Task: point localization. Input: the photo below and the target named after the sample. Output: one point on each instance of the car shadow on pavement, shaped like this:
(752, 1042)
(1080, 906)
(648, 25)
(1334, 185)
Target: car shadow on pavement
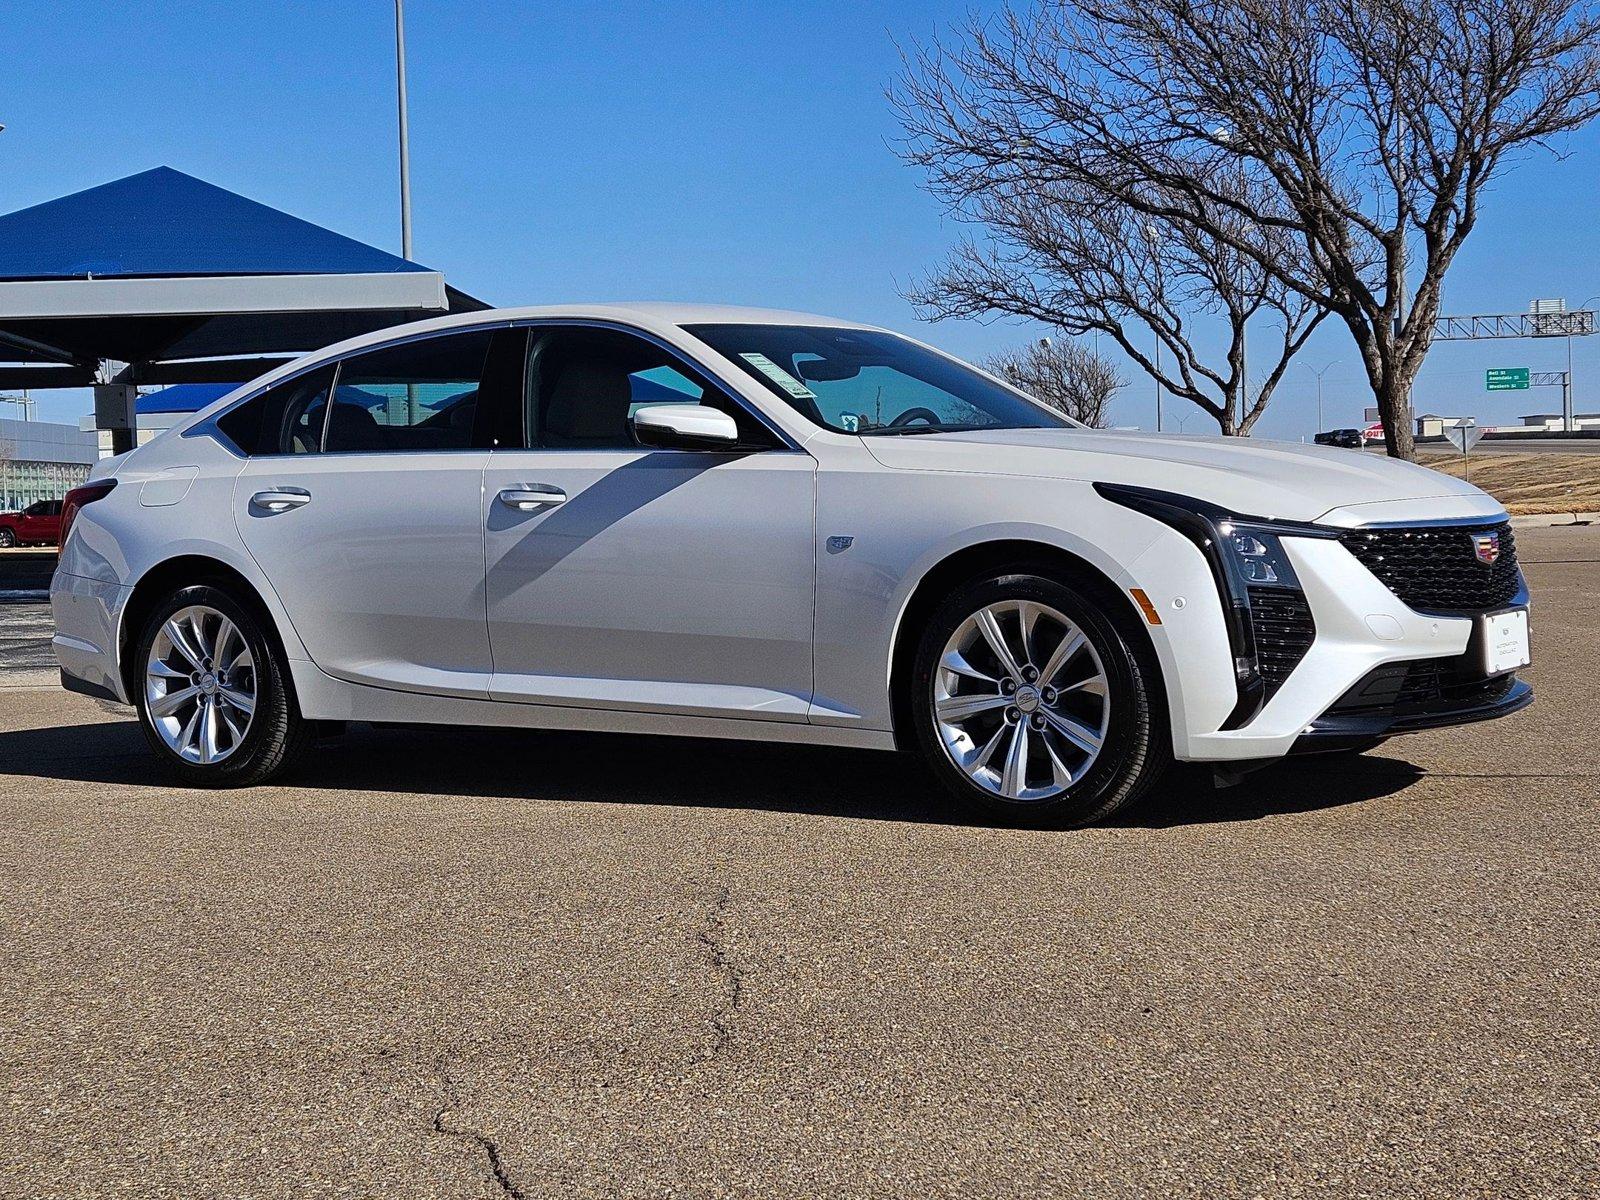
(626, 769)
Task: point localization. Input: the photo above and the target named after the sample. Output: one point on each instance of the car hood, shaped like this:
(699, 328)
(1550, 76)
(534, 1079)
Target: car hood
(1284, 480)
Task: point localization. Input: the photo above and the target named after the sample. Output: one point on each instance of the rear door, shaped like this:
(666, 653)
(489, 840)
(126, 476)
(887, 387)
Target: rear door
(367, 516)
(675, 581)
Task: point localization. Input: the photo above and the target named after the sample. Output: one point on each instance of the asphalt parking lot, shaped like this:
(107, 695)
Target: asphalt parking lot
(484, 964)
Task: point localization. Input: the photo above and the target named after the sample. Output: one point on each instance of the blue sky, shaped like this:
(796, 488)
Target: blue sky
(715, 151)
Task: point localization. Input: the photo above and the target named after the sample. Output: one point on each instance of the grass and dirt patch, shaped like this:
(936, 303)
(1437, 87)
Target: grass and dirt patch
(1529, 484)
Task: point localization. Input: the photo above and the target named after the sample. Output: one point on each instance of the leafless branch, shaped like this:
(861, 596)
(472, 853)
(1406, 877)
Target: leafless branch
(1065, 374)
(1337, 147)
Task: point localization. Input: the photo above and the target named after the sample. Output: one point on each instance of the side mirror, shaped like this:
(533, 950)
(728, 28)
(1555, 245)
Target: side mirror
(684, 427)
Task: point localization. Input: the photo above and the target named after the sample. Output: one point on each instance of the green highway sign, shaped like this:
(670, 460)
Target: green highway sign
(1507, 379)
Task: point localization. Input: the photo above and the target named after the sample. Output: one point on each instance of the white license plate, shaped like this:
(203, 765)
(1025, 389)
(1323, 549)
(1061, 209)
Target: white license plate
(1505, 641)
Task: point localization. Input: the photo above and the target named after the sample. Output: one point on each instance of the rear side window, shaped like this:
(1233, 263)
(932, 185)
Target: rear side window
(420, 395)
(286, 419)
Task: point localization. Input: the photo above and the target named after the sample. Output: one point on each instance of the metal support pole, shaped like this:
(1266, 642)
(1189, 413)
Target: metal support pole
(1567, 422)
(1158, 383)
(405, 127)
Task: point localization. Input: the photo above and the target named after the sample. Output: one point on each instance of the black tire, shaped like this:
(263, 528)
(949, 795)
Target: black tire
(7, 539)
(276, 734)
(1136, 750)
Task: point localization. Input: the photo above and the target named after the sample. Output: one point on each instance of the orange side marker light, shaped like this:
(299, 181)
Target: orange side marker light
(1145, 606)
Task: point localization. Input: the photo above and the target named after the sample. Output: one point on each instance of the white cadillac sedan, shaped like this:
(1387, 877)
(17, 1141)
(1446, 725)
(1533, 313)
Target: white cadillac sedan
(747, 524)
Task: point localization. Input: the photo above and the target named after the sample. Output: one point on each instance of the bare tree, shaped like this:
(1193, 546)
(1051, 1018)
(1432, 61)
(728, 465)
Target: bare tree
(1067, 375)
(1071, 257)
(1368, 129)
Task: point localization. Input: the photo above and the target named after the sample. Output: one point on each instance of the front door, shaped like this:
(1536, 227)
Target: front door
(666, 580)
(367, 516)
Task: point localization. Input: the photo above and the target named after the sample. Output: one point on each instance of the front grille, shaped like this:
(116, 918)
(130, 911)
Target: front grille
(1436, 569)
(1284, 632)
(1429, 686)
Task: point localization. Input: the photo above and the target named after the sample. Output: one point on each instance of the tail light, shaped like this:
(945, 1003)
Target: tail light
(78, 497)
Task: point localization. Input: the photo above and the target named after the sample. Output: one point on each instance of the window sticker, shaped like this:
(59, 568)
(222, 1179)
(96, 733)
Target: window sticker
(850, 421)
(779, 376)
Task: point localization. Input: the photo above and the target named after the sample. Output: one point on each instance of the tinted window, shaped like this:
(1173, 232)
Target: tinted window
(584, 384)
(420, 395)
(286, 419)
(867, 382)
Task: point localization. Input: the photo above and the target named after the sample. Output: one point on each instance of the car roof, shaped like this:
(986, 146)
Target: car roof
(649, 315)
(664, 312)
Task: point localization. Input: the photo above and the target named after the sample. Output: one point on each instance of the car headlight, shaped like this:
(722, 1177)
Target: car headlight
(1258, 556)
(1243, 552)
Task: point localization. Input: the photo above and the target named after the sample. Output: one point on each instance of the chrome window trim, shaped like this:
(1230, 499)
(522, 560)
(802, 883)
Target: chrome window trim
(209, 427)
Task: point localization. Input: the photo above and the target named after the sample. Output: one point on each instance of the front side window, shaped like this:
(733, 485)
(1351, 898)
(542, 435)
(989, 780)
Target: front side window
(284, 419)
(420, 395)
(871, 383)
(584, 383)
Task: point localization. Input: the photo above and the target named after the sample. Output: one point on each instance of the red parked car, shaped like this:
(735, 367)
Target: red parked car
(38, 524)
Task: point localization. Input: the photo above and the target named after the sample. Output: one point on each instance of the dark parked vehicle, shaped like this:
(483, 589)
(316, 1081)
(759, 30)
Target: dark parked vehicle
(38, 524)
(1350, 439)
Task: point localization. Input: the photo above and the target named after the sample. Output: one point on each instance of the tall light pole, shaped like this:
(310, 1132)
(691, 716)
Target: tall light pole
(405, 127)
(1319, 374)
(1154, 235)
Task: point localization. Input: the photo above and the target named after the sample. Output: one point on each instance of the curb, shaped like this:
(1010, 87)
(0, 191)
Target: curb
(1546, 519)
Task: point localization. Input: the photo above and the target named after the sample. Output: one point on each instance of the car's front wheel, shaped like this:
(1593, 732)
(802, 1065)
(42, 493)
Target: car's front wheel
(7, 539)
(213, 693)
(1031, 702)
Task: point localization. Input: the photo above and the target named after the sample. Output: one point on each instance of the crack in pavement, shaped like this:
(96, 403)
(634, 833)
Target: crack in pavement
(712, 938)
(490, 1148)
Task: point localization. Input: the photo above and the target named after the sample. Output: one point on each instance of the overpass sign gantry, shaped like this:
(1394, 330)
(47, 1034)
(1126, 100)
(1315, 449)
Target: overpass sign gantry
(1544, 319)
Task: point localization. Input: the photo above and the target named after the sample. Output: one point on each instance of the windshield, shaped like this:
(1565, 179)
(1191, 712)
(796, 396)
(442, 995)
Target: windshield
(871, 383)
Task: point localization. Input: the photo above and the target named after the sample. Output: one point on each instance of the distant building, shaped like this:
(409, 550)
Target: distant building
(40, 460)
(1431, 425)
(1551, 422)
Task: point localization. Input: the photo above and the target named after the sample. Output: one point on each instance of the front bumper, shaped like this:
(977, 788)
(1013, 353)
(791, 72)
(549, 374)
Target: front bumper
(1411, 697)
(1363, 631)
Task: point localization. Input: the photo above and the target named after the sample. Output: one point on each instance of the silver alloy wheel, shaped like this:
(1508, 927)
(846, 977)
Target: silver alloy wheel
(200, 685)
(1021, 700)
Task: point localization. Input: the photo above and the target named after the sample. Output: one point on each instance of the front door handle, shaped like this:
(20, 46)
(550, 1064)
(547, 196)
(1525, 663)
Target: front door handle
(277, 500)
(532, 496)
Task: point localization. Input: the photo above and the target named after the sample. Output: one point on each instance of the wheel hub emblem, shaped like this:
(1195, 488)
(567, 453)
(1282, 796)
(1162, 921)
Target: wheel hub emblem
(208, 683)
(1027, 698)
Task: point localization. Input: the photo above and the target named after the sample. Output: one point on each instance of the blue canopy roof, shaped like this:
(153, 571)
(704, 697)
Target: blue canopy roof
(162, 222)
(190, 282)
(184, 397)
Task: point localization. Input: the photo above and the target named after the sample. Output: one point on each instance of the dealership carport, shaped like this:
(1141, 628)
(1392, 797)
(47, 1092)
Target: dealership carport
(162, 278)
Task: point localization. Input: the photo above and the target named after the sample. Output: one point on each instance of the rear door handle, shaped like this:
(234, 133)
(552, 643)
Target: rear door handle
(277, 500)
(532, 496)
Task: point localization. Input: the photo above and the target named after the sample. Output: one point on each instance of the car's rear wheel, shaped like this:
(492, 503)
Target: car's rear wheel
(213, 694)
(1031, 702)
